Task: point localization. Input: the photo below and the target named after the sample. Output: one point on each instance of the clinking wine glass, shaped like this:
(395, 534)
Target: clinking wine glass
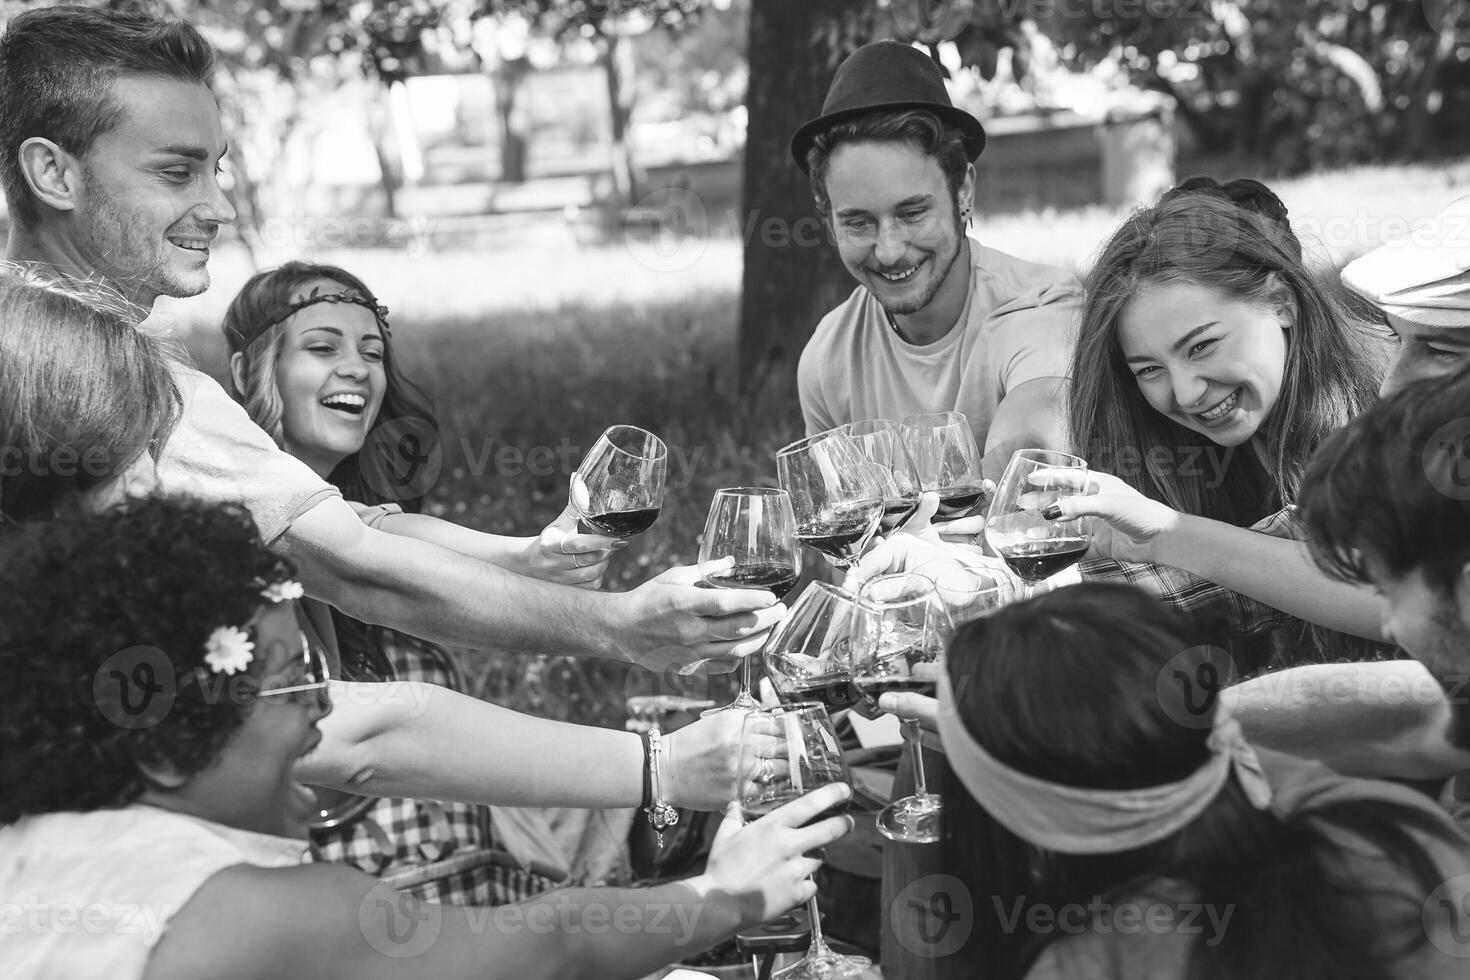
(785, 753)
(967, 591)
(881, 441)
(835, 494)
(619, 488)
(900, 631)
(1034, 547)
(947, 459)
(749, 543)
(808, 657)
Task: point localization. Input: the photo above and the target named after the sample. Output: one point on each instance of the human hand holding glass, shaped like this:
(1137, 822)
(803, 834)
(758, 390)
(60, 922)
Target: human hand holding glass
(749, 543)
(1036, 548)
(619, 488)
(787, 752)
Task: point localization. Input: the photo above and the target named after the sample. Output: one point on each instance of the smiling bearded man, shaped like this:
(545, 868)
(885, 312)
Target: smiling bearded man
(939, 322)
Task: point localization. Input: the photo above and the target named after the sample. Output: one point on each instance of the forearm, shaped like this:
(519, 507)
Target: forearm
(409, 739)
(497, 549)
(425, 590)
(1276, 571)
(1380, 719)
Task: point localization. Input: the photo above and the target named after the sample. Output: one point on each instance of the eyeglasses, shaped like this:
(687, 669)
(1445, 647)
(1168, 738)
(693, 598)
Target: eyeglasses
(314, 674)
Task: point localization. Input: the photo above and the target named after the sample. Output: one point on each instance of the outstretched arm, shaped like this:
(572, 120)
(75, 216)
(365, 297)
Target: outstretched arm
(440, 595)
(1380, 719)
(410, 739)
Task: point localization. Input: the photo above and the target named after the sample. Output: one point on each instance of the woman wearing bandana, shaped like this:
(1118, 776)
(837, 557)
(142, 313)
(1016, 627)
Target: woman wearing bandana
(1110, 820)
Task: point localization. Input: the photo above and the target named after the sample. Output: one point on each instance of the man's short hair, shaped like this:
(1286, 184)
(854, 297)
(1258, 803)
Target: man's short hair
(918, 128)
(1393, 486)
(57, 66)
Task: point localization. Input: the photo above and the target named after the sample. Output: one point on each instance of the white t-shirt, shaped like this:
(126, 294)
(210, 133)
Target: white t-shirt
(1019, 324)
(86, 895)
(217, 453)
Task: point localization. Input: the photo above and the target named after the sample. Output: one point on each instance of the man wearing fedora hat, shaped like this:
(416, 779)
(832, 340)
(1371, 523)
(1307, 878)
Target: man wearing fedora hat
(1421, 282)
(938, 322)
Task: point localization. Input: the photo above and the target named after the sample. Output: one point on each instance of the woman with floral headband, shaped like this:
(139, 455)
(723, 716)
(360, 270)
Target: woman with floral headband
(315, 364)
(152, 826)
(1111, 821)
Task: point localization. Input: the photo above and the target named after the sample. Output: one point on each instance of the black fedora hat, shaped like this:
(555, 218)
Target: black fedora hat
(887, 75)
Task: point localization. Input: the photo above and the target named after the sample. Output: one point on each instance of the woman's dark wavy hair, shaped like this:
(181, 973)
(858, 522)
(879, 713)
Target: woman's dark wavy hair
(77, 590)
(1233, 238)
(265, 298)
(1067, 688)
(83, 391)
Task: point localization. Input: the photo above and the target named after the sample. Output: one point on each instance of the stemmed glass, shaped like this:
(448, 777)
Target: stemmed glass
(835, 494)
(785, 753)
(967, 591)
(619, 488)
(881, 441)
(1034, 547)
(947, 460)
(749, 543)
(899, 635)
(808, 657)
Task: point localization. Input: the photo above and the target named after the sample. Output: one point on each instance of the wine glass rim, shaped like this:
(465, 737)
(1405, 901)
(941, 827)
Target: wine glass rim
(817, 585)
(660, 450)
(811, 440)
(1051, 457)
(933, 420)
(751, 492)
(874, 426)
(924, 584)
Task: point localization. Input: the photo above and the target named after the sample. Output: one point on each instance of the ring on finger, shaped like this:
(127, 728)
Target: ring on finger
(577, 559)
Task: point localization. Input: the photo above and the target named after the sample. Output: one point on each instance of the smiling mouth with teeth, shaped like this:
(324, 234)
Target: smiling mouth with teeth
(1224, 408)
(899, 276)
(351, 404)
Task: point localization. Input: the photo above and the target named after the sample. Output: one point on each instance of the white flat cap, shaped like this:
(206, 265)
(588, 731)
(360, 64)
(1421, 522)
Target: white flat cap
(1424, 276)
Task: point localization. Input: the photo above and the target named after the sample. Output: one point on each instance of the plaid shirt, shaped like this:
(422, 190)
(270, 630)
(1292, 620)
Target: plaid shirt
(1216, 612)
(441, 852)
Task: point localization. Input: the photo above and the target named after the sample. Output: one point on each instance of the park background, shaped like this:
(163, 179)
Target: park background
(583, 212)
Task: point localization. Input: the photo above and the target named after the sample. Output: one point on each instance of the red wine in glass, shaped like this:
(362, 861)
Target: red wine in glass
(792, 683)
(771, 576)
(841, 532)
(957, 501)
(1035, 561)
(623, 523)
(895, 512)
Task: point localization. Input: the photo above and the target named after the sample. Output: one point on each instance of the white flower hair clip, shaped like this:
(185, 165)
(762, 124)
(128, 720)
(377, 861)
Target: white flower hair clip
(228, 650)
(282, 592)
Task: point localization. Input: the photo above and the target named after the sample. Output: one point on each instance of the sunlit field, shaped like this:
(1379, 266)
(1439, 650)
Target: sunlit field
(549, 335)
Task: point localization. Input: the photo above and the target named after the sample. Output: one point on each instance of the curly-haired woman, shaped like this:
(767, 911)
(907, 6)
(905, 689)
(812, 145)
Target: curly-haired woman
(151, 824)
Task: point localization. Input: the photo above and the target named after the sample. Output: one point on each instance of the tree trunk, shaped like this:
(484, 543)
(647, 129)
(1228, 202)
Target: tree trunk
(619, 67)
(792, 273)
(507, 76)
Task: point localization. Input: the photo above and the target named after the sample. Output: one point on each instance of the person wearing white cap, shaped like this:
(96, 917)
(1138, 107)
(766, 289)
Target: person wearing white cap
(1421, 282)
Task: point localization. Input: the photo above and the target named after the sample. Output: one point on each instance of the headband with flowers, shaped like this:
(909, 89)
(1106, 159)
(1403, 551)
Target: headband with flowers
(229, 649)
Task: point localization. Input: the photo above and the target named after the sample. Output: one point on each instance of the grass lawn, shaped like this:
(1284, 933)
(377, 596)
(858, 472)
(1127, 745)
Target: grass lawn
(544, 346)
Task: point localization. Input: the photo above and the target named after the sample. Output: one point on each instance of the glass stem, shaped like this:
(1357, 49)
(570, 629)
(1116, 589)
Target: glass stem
(911, 729)
(819, 945)
(745, 679)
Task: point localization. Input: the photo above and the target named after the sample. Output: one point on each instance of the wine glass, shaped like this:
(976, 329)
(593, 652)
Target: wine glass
(900, 631)
(836, 497)
(967, 591)
(785, 753)
(619, 488)
(947, 459)
(1034, 547)
(749, 543)
(808, 656)
(881, 441)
